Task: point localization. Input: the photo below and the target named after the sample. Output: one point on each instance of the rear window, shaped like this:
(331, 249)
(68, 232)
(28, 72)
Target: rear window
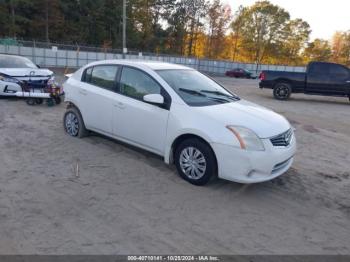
(103, 76)
(87, 75)
(319, 69)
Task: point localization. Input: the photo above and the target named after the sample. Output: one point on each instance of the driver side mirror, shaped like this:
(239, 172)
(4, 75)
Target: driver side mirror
(154, 99)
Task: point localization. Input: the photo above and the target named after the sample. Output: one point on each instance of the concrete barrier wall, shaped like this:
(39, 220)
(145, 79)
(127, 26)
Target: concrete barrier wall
(47, 57)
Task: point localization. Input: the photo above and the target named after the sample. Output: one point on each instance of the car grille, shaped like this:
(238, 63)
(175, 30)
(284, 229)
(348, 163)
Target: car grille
(283, 139)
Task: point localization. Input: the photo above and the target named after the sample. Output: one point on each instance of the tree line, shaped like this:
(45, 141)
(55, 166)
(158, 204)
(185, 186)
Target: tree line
(260, 33)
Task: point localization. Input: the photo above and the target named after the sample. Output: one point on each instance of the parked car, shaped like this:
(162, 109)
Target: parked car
(240, 73)
(16, 68)
(22, 78)
(181, 115)
(321, 78)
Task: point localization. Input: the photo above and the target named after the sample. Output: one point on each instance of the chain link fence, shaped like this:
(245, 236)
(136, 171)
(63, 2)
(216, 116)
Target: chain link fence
(74, 56)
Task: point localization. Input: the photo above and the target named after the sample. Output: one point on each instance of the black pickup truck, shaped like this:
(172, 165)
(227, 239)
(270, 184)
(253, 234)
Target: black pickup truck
(321, 78)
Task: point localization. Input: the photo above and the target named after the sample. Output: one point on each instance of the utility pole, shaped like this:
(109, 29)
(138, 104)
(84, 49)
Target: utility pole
(124, 29)
(13, 19)
(47, 21)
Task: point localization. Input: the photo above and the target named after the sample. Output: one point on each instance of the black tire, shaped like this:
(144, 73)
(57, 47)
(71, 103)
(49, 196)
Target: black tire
(282, 91)
(50, 102)
(58, 100)
(73, 117)
(39, 101)
(206, 152)
(30, 101)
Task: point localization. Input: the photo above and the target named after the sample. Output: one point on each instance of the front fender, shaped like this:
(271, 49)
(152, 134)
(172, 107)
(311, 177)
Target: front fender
(173, 136)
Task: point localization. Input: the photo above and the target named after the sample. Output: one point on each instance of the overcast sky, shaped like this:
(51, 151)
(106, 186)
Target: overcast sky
(324, 16)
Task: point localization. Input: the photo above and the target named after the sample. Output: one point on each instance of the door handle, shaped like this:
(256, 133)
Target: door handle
(120, 105)
(83, 92)
(348, 81)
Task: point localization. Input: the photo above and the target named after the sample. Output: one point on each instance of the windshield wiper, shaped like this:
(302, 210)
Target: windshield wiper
(220, 100)
(221, 94)
(192, 92)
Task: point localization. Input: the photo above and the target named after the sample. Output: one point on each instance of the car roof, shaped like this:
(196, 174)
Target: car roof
(11, 56)
(154, 65)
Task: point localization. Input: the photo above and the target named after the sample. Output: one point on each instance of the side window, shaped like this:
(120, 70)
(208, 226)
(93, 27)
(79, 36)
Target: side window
(319, 69)
(87, 75)
(338, 71)
(137, 84)
(104, 76)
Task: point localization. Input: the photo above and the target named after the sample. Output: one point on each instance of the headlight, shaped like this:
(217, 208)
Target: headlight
(248, 140)
(8, 79)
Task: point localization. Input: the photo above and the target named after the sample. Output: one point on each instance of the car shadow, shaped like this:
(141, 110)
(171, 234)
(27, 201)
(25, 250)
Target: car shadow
(154, 160)
(315, 100)
(10, 98)
(113, 144)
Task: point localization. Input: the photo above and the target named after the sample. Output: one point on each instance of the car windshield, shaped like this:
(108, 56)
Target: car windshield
(195, 88)
(244, 70)
(15, 62)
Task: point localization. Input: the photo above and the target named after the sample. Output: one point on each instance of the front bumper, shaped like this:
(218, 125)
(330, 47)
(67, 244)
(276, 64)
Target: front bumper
(247, 167)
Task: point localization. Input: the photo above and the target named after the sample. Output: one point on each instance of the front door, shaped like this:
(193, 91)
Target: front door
(139, 122)
(339, 79)
(318, 79)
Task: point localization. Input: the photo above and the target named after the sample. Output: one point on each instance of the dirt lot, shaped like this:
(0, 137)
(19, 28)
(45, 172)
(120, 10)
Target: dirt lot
(127, 201)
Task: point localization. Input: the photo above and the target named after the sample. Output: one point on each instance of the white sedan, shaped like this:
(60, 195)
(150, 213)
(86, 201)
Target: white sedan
(181, 115)
(14, 69)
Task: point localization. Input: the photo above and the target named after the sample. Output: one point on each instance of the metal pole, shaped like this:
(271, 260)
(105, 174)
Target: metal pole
(124, 28)
(47, 21)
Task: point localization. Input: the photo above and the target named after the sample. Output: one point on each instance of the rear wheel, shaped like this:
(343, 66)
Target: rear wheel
(39, 101)
(73, 123)
(30, 101)
(282, 91)
(195, 161)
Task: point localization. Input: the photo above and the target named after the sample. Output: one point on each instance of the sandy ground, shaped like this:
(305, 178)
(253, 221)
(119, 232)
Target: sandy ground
(127, 201)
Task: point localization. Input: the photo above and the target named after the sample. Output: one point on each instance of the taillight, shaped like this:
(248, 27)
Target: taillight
(262, 76)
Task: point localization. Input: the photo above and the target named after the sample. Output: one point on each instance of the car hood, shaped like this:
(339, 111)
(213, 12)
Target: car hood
(26, 72)
(264, 122)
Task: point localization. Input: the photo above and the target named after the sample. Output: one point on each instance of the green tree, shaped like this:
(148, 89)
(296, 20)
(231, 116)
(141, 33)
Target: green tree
(318, 50)
(295, 38)
(218, 18)
(236, 27)
(196, 9)
(263, 25)
(177, 22)
(341, 48)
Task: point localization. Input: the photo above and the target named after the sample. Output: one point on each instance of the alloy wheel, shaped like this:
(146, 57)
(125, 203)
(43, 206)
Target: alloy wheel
(72, 124)
(282, 91)
(192, 163)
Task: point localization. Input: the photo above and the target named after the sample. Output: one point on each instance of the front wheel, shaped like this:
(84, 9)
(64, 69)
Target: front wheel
(195, 161)
(282, 91)
(73, 123)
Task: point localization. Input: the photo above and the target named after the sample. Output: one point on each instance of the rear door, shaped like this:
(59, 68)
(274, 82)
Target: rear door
(318, 78)
(339, 79)
(96, 95)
